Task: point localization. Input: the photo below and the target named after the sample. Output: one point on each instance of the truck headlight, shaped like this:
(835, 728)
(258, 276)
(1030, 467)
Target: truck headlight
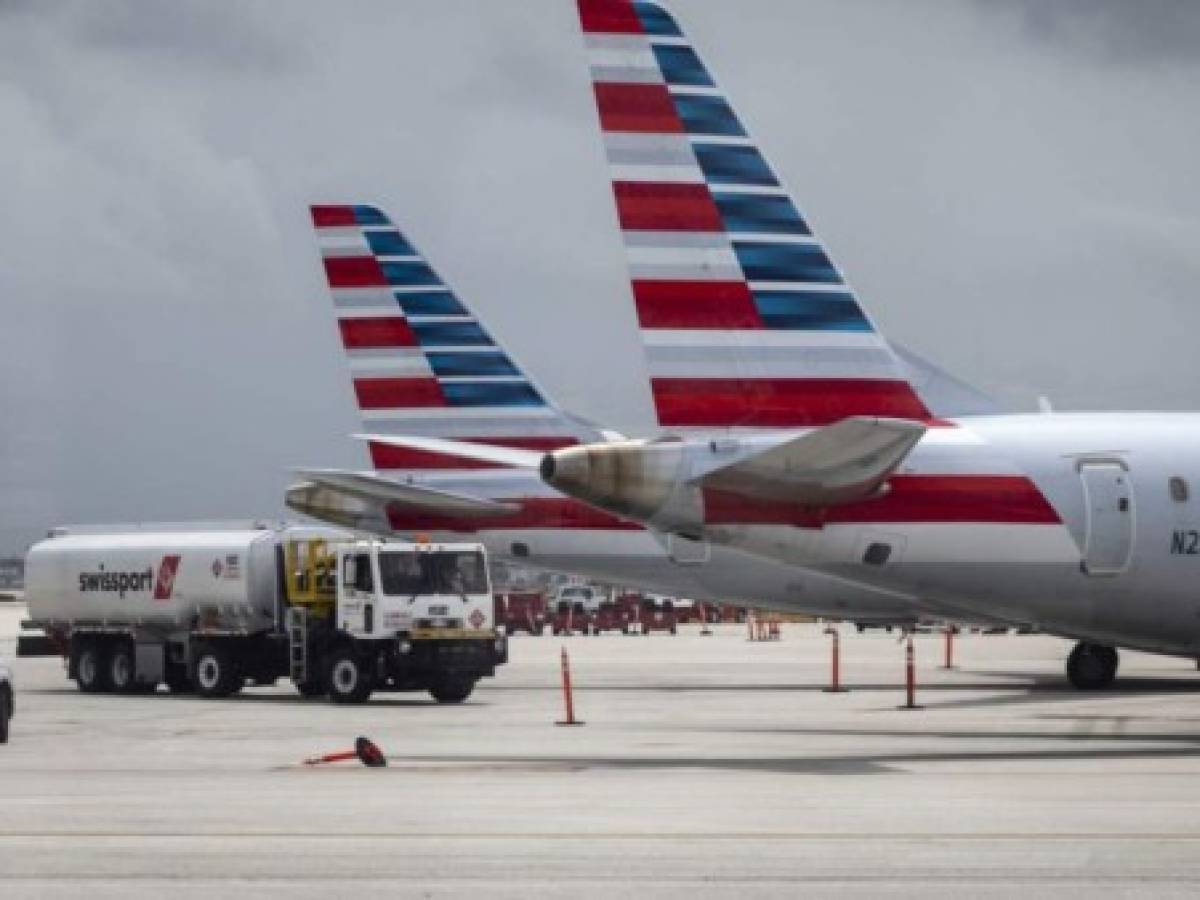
(404, 647)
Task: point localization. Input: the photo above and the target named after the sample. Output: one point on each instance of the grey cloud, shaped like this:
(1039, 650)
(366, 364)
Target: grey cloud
(195, 32)
(168, 351)
(1118, 31)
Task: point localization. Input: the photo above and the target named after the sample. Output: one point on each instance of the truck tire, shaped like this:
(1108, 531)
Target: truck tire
(214, 673)
(91, 667)
(452, 689)
(122, 669)
(349, 678)
(5, 712)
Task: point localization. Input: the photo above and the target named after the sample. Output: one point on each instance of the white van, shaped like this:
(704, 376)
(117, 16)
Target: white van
(590, 597)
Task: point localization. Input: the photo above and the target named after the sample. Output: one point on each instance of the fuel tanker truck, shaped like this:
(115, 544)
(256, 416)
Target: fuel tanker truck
(212, 610)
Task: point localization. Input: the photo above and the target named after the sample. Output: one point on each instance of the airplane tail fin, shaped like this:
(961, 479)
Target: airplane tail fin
(744, 318)
(421, 362)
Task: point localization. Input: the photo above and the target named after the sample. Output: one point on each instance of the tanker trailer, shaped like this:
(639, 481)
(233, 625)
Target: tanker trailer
(212, 610)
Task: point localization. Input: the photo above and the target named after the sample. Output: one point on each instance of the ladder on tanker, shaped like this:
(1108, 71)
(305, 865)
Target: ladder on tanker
(297, 634)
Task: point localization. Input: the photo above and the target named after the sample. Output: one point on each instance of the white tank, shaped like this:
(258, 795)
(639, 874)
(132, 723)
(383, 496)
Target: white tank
(222, 579)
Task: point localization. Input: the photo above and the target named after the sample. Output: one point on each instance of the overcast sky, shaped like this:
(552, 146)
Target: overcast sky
(1012, 187)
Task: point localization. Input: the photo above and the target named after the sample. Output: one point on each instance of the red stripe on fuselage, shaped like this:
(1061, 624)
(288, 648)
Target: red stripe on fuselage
(661, 206)
(928, 499)
(536, 512)
(329, 216)
(696, 304)
(609, 17)
(354, 271)
(386, 456)
(398, 393)
(389, 331)
(636, 107)
(781, 402)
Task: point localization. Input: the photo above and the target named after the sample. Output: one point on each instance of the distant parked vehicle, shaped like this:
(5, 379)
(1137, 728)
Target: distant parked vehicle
(522, 612)
(6, 701)
(584, 594)
(657, 614)
(613, 617)
(570, 618)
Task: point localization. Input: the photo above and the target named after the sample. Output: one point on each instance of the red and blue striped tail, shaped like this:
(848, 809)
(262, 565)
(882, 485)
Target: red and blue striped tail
(421, 363)
(745, 320)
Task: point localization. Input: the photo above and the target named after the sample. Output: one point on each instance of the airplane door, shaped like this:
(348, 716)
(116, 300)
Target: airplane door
(1109, 502)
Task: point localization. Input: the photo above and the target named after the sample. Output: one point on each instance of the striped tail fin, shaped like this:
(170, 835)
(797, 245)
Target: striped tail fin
(744, 318)
(421, 363)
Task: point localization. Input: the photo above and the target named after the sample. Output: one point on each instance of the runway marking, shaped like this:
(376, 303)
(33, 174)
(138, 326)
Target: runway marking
(1057, 837)
(968, 877)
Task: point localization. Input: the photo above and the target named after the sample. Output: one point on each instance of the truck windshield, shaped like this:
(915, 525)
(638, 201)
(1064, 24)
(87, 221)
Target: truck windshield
(408, 572)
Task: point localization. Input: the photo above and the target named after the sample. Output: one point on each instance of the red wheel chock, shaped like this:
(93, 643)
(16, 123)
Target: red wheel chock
(365, 751)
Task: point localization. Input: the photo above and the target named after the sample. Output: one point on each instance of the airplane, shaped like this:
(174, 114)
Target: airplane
(795, 432)
(424, 367)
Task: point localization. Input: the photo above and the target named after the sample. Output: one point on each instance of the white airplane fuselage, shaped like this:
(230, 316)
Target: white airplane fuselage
(1083, 524)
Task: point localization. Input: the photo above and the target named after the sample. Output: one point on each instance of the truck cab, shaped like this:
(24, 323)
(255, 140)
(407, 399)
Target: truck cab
(426, 589)
(404, 616)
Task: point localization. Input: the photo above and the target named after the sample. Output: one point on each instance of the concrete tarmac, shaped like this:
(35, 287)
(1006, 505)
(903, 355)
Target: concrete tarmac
(707, 767)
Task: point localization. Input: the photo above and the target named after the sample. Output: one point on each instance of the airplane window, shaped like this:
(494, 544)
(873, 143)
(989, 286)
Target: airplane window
(1179, 489)
(877, 554)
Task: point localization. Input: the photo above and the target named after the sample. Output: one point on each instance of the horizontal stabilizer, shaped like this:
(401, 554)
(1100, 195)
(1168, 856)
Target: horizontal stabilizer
(840, 463)
(372, 488)
(490, 453)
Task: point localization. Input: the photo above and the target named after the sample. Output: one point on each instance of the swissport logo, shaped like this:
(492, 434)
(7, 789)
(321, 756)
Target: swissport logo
(116, 582)
(112, 581)
(166, 577)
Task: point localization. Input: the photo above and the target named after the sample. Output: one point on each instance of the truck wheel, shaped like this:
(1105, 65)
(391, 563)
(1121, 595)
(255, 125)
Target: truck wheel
(91, 669)
(349, 679)
(5, 713)
(452, 690)
(215, 673)
(122, 672)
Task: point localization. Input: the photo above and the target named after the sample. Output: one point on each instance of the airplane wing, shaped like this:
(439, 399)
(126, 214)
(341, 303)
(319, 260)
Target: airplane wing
(507, 456)
(839, 463)
(360, 499)
(369, 486)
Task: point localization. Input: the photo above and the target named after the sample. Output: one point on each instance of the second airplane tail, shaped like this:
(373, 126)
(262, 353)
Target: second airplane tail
(421, 362)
